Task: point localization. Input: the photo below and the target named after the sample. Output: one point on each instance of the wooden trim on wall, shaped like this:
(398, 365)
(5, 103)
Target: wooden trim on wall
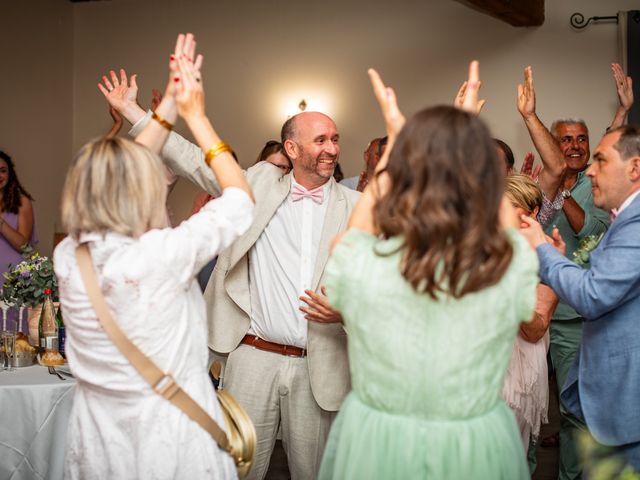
(519, 13)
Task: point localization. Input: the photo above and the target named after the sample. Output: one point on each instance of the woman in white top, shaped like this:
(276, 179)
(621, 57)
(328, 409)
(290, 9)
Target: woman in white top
(114, 201)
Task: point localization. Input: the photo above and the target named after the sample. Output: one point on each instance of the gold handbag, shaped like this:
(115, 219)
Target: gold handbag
(241, 433)
(240, 439)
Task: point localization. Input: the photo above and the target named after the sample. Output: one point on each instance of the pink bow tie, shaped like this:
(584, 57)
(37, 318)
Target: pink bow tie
(613, 214)
(299, 192)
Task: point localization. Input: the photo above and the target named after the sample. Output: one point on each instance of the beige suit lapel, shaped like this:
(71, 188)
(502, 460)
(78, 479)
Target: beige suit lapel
(267, 202)
(335, 220)
(236, 282)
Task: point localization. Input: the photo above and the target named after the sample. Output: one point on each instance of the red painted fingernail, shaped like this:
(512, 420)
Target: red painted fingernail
(171, 57)
(177, 79)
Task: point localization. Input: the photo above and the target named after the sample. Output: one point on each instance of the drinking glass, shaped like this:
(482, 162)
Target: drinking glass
(2, 356)
(9, 343)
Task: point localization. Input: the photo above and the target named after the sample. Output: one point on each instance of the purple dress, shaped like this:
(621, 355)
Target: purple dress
(10, 256)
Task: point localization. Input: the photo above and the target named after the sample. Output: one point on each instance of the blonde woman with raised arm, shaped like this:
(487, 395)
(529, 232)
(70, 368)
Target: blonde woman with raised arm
(114, 201)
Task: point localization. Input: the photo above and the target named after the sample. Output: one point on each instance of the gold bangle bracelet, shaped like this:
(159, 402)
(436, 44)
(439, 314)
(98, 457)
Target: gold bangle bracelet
(213, 152)
(162, 121)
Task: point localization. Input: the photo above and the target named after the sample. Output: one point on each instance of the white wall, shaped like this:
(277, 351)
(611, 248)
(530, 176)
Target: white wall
(260, 53)
(36, 85)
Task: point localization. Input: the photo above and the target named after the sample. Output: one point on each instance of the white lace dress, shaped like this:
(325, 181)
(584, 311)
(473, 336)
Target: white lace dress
(526, 386)
(119, 427)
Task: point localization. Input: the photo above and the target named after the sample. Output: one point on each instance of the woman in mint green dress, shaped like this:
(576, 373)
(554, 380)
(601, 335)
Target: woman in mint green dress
(432, 280)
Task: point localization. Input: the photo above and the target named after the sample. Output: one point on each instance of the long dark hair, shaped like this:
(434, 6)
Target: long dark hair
(13, 191)
(444, 201)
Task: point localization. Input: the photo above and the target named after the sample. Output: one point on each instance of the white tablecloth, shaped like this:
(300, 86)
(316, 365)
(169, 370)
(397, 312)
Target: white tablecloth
(34, 413)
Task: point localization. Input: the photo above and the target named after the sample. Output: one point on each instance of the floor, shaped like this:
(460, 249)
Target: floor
(547, 458)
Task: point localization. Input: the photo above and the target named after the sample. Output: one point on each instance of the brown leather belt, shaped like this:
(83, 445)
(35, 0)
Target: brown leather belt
(261, 344)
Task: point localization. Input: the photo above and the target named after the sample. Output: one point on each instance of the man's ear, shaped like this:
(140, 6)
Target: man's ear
(291, 149)
(634, 168)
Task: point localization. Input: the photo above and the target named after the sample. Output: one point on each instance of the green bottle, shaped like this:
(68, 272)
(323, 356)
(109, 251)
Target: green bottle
(61, 331)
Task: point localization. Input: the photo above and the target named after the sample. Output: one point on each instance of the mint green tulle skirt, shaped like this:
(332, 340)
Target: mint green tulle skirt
(366, 443)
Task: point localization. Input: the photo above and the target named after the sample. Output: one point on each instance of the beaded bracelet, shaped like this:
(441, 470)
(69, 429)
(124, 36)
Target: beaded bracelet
(162, 121)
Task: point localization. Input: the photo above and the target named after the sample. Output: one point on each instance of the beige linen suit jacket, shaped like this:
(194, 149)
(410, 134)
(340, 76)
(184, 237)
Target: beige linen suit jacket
(227, 293)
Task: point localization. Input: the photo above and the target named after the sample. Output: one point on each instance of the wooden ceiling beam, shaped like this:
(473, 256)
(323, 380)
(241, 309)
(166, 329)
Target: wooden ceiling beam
(519, 13)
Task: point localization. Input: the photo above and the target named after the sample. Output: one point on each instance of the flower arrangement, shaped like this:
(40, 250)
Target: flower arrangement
(26, 282)
(587, 244)
(603, 463)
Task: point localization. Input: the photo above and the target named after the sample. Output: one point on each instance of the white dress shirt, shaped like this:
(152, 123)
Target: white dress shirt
(281, 266)
(628, 201)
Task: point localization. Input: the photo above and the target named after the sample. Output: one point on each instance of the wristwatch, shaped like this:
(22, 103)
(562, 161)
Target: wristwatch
(566, 194)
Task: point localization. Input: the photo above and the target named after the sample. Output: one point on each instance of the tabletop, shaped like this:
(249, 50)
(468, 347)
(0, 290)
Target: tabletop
(34, 414)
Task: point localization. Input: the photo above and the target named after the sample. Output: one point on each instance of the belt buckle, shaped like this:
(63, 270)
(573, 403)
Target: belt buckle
(292, 354)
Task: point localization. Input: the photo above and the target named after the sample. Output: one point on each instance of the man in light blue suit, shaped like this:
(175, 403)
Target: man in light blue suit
(603, 386)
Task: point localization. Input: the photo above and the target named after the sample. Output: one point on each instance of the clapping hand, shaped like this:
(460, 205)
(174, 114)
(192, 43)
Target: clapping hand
(119, 92)
(527, 167)
(187, 78)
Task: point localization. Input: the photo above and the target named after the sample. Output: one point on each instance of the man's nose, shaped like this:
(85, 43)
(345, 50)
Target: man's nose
(332, 148)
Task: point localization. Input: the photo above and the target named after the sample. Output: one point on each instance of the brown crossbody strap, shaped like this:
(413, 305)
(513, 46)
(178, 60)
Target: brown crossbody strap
(161, 382)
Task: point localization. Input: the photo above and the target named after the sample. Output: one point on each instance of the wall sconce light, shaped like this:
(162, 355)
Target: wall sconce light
(313, 103)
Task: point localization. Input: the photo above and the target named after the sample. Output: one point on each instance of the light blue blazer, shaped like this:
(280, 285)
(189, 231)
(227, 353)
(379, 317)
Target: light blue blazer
(603, 386)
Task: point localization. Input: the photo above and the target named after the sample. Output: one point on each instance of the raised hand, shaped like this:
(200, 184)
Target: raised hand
(156, 98)
(393, 118)
(527, 95)
(528, 168)
(189, 93)
(624, 86)
(536, 172)
(185, 93)
(119, 92)
(527, 164)
(117, 123)
(363, 180)
(459, 100)
(185, 49)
